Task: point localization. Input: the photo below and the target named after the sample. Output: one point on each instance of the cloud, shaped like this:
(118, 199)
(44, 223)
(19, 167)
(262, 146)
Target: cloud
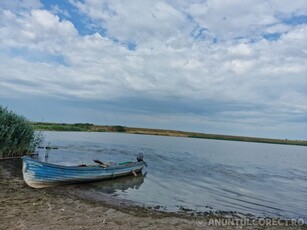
(247, 19)
(136, 21)
(37, 29)
(20, 5)
(225, 63)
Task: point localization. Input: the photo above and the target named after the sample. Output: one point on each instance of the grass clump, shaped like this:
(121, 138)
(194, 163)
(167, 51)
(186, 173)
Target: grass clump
(119, 128)
(48, 126)
(17, 136)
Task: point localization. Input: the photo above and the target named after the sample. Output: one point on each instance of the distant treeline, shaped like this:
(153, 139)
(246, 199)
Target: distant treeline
(88, 127)
(62, 126)
(79, 127)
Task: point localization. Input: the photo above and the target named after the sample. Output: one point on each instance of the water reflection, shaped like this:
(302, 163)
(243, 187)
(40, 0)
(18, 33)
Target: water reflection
(119, 184)
(109, 191)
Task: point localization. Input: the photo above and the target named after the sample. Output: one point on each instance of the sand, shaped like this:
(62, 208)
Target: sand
(22, 207)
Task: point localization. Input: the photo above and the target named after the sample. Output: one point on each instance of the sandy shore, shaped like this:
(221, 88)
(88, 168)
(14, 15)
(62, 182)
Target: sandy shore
(22, 207)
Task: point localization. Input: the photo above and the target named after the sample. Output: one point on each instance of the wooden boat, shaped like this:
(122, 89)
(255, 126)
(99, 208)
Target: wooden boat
(38, 174)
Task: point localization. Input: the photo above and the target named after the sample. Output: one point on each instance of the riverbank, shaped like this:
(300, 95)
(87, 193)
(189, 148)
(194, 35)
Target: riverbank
(86, 127)
(22, 207)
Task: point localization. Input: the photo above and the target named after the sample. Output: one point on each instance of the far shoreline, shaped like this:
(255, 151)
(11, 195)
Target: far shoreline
(87, 127)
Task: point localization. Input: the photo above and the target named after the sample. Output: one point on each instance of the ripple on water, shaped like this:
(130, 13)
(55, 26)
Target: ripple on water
(202, 175)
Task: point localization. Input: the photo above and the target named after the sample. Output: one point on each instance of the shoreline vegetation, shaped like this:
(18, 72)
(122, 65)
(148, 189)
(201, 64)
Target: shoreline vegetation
(88, 127)
(17, 136)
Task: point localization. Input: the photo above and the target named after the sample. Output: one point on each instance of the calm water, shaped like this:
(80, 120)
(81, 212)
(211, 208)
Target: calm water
(198, 174)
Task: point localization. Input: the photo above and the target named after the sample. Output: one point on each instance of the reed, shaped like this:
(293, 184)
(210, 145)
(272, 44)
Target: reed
(17, 136)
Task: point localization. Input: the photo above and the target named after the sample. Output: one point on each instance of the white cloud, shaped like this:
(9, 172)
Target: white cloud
(137, 21)
(240, 50)
(168, 61)
(38, 29)
(297, 7)
(20, 5)
(55, 9)
(239, 66)
(232, 19)
(277, 28)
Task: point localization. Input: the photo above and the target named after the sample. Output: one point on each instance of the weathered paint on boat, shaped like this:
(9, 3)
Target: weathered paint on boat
(38, 174)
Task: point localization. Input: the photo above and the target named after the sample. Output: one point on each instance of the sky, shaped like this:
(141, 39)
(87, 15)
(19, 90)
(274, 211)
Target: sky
(228, 67)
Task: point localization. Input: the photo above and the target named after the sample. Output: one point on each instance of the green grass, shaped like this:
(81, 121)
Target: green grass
(61, 127)
(86, 127)
(17, 136)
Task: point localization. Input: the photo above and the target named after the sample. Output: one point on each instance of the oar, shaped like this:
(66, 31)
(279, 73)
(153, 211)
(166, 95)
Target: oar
(101, 163)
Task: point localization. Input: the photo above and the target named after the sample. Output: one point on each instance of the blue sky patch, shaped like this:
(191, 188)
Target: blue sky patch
(271, 36)
(82, 23)
(295, 20)
(199, 33)
(131, 45)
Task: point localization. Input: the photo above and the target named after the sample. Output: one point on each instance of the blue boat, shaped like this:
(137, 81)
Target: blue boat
(38, 174)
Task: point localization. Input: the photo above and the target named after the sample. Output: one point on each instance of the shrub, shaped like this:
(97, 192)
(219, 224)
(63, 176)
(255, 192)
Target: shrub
(119, 128)
(17, 136)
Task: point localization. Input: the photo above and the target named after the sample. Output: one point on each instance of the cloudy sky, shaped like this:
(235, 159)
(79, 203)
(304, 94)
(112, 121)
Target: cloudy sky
(231, 67)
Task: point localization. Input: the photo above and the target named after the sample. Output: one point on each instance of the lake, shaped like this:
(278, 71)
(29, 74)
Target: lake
(264, 180)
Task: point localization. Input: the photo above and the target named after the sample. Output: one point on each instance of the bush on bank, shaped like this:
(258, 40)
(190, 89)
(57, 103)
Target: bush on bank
(17, 136)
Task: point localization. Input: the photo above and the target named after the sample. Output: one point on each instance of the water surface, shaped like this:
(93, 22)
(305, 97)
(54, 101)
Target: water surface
(198, 174)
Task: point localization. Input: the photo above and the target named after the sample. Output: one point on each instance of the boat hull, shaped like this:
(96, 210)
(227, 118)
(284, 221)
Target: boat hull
(39, 174)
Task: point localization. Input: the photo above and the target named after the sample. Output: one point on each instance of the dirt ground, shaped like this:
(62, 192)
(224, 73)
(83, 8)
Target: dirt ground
(22, 207)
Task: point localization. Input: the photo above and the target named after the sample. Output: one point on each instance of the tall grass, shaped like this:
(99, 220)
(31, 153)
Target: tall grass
(17, 136)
